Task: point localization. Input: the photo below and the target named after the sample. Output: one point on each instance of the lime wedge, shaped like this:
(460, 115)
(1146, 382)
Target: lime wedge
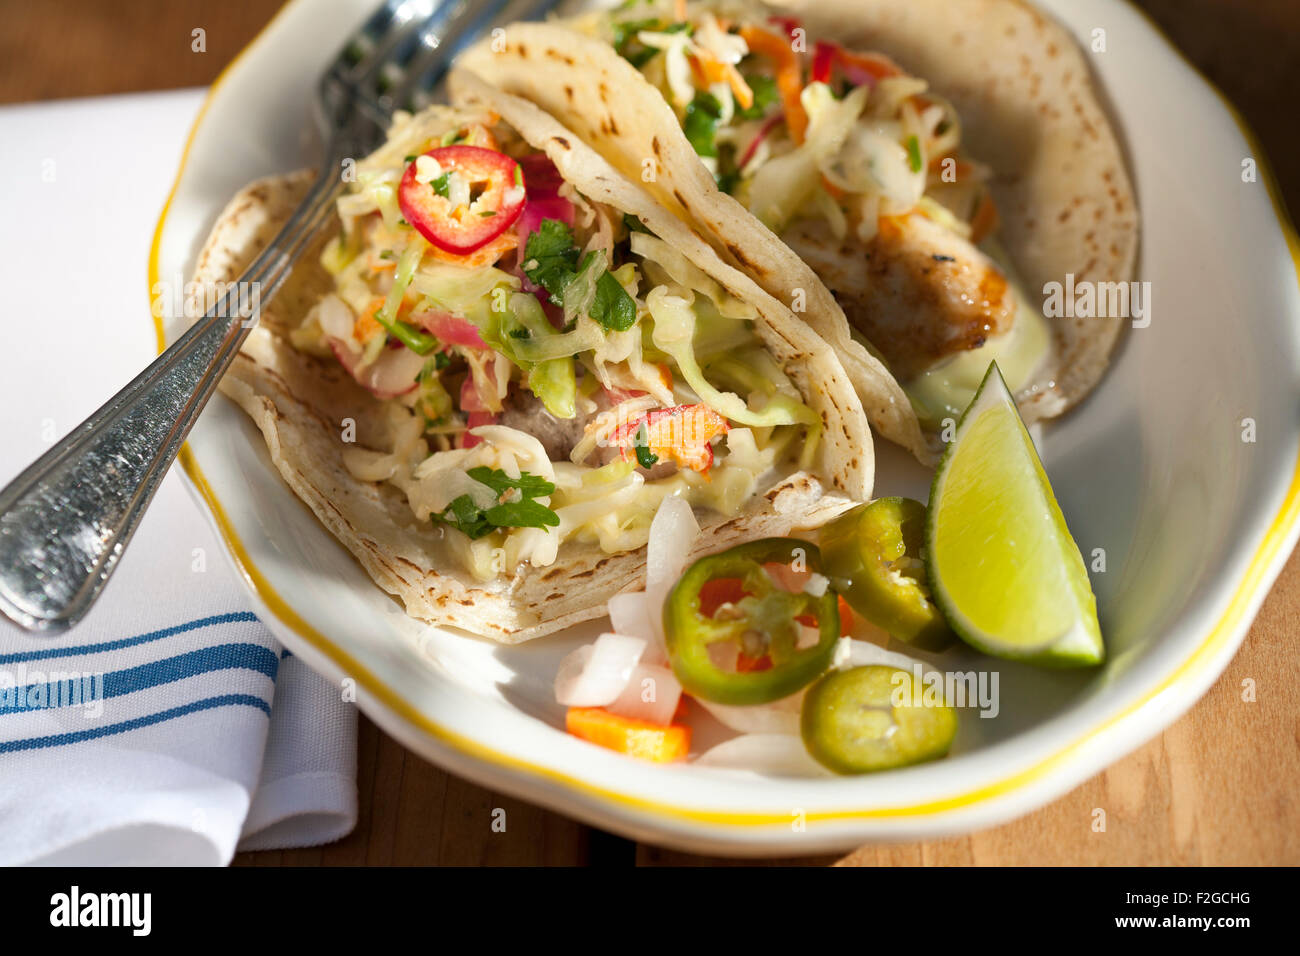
(1002, 566)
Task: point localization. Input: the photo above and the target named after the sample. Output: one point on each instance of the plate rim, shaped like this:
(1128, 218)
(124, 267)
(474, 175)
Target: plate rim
(692, 827)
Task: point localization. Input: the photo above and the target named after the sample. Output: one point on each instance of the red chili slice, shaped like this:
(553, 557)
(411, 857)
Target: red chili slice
(823, 60)
(496, 198)
(861, 69)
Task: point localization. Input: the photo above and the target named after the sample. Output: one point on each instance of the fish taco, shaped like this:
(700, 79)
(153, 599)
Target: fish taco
(911, 200)
(501, 359)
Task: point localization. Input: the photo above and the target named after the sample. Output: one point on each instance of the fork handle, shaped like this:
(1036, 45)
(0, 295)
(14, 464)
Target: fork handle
(65, 521)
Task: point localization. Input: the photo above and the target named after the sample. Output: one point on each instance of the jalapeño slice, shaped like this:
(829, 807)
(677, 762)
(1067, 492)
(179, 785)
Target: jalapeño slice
(738, 635)
(874, 718)
(873, 557)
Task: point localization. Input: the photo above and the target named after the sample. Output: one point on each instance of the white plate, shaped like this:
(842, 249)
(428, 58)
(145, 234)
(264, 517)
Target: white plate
(1195, 522)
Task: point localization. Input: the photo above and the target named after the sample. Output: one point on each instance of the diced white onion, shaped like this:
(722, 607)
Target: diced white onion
(457, 190)
(427, 169)
(672, 535)
(851, 653)
(629, 613)
(596, 674)
(335, 318)
(651, 694)
(816, 584)
(778, 717)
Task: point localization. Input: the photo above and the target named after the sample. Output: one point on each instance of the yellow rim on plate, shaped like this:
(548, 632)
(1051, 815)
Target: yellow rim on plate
(1257, 572)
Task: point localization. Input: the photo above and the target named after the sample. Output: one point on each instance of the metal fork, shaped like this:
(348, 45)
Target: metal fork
(66, 520)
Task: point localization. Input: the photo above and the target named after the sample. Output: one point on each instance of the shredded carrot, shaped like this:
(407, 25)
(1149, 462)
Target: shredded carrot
(380, 265)
(709, 70)
(789, 76)
(636, 738)
(985, 220)
(485, 256)
(679, 10)
(834, 191)
(744, 95)
(366, 327)
(697, 70)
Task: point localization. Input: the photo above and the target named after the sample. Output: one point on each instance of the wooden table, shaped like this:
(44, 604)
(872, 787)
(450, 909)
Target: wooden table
(1222, 786)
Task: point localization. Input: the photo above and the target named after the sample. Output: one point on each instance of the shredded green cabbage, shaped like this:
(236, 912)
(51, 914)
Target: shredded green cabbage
(784, 185)
(689, 275)
(456, 289)
(403, 274)
(674, 331)
(521, 332)
(544, 342)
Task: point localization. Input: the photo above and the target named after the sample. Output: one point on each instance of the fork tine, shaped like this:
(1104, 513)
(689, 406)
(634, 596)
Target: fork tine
(372, 45)
(414, 46)
(373, 35)
(427, 70)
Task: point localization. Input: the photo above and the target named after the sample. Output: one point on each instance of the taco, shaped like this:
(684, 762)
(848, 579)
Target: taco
(485, 380)
(886, 178)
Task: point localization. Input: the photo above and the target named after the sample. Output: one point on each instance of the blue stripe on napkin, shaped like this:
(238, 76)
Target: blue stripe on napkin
(73, 737)
(129, 641)
(78, 688)
(15, 700)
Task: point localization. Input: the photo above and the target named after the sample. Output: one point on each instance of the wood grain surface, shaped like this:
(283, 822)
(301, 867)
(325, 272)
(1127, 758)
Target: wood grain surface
(1222, 786)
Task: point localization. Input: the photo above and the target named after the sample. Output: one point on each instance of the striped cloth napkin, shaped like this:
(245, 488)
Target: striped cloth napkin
(169, 726)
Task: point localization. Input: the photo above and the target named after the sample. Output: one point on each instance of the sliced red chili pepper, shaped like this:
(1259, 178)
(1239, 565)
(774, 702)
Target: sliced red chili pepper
(788, 24)
(861, 69)
(823, 59)
(496, 198)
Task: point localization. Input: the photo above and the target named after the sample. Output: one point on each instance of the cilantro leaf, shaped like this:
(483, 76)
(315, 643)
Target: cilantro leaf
(765, 94)
(701, 124)
(613, 307)
(519, 510)
(551, 261)
(641, 443)
(551, 258)
(467, 517)
(634, 224)
(528, 485)
(522, 514)
(628, 46)
(914, 154)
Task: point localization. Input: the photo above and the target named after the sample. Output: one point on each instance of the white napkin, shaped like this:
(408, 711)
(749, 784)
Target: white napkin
(194, 733)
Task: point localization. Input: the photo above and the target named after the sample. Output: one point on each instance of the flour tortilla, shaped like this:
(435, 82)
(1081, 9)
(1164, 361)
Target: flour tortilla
(1023, 90)
(299, 403)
